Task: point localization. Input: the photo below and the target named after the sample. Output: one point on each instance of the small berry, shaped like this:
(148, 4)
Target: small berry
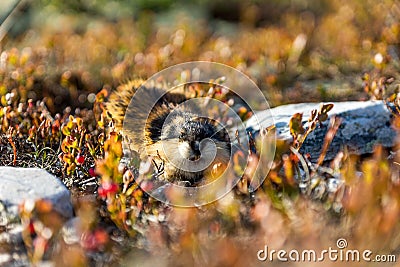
(80, 159)
(107, 188)
(88, 241)
(31, 228)
(102, 192)
(101, 236)
(92, 172)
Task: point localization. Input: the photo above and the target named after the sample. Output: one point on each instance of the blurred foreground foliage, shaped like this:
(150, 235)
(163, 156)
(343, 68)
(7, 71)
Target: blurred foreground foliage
(292, 49)
(56, 75)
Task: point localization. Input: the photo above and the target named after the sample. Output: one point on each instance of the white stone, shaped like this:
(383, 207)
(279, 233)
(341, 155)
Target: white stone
(5, 258)
(20, 184)
(364, 124)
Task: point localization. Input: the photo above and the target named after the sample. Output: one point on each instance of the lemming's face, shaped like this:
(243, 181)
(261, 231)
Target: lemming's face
(201, 138)
(196, 137)
(194, 145)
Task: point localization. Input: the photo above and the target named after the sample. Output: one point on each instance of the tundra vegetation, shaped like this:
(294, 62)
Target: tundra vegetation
(59, 61)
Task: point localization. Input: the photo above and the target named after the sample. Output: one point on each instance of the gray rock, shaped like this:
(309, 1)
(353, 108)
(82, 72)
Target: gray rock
(364, 124)
(12, 248)
(19, 184)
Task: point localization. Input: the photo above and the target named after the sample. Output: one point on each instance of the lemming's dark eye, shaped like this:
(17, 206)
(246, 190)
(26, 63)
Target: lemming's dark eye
(199, 137)
(182, 134)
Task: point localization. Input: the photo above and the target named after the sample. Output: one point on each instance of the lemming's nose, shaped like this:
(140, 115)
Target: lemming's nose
(195, 152)
(194, 157)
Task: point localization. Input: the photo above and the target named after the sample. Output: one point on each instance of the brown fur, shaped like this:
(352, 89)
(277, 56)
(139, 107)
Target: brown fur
(119, 100)
(149, 143)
